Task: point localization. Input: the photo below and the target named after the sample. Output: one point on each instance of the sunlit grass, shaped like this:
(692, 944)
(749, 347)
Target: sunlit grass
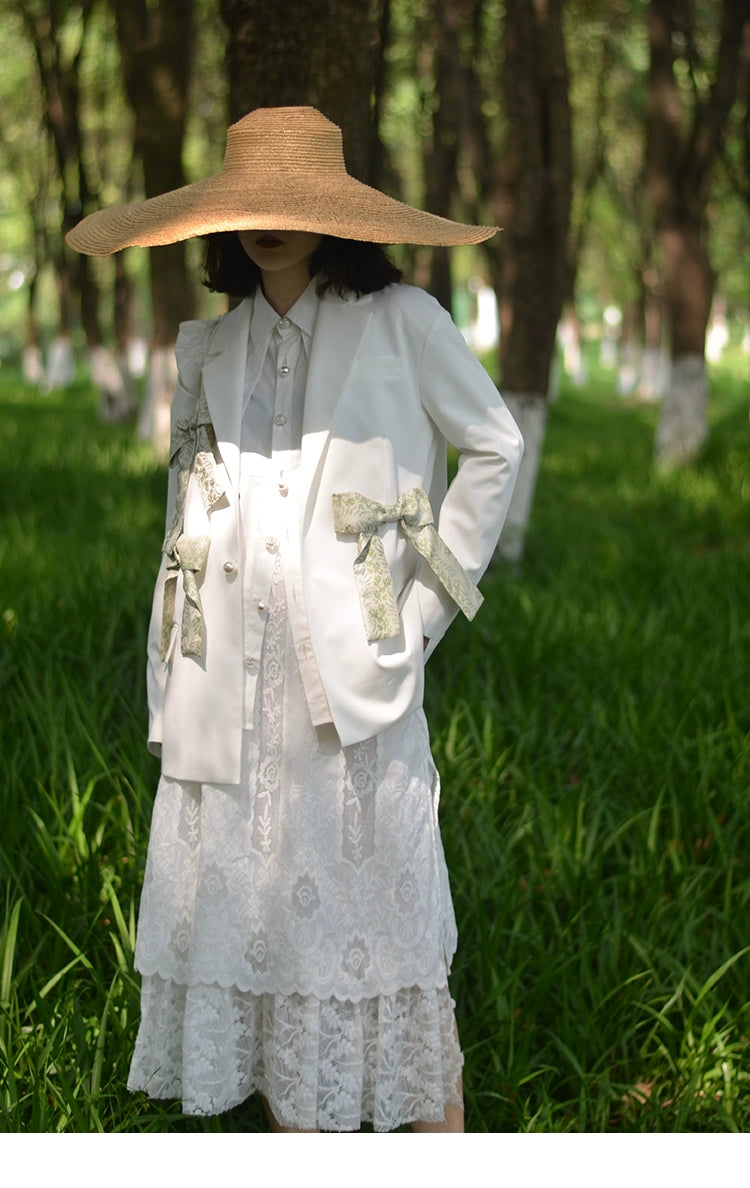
(591, 728)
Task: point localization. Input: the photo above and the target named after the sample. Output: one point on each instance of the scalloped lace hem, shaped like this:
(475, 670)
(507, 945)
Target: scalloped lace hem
(435, 978)
(320, 1064)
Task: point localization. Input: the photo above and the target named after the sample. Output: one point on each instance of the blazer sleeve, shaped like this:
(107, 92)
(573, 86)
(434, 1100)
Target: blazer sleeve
(190, 350)
(467, 408)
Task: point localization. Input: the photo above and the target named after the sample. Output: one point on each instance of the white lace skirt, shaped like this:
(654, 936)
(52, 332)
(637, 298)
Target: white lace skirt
(296, 930)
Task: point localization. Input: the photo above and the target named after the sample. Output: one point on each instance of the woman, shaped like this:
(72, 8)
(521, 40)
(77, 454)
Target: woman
(296, 929)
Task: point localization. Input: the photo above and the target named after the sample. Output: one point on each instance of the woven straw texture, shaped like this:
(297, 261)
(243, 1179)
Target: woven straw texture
(283, 171)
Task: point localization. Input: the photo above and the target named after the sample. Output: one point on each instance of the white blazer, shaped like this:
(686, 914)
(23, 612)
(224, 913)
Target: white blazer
(390, 380)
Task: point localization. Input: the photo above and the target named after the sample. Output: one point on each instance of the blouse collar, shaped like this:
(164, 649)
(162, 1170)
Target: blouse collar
(264, 318)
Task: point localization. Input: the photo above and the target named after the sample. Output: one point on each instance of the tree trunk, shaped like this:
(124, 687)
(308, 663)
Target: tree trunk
(441, 158)
(654, 364)
(52, 34)
(60, 369)
(630, 351)
(529, 410)
(49, 32)
(155, 41)
(33, 367)
(123, 301)
(532, 202)
(533, 198)
(380, 171)
(682, 146)
(317, 52)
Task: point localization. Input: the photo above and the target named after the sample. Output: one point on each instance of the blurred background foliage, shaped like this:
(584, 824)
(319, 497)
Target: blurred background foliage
(608, 64)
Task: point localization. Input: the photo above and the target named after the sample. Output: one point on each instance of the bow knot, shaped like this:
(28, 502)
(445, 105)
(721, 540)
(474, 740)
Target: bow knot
(354, 514)
(188, 555)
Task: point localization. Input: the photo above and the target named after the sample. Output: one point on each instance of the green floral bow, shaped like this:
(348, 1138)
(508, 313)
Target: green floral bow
(191, 451)
(353, 514)
(189, 555)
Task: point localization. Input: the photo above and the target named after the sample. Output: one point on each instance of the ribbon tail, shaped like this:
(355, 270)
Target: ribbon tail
(175, 528)
(189, 556)
(204, 467)
(377, 596)
(191, 634)
(191, 552)
(167, 614)
(446, 567)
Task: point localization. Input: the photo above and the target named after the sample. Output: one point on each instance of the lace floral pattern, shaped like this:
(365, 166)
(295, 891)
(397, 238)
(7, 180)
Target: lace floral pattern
(321, 873)
(320, 1065)
(296, 930)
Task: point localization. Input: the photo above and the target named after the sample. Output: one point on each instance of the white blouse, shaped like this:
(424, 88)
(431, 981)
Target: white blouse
(275, 380)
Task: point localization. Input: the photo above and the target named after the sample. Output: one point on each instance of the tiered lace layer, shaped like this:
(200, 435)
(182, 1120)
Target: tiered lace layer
(296, 930)
(320, 1065)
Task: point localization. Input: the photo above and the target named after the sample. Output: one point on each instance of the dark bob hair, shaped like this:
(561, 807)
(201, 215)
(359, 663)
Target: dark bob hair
(341, 265)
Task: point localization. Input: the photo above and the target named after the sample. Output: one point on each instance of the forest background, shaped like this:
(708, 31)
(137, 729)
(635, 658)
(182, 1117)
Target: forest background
(609, 140)
(596, 756)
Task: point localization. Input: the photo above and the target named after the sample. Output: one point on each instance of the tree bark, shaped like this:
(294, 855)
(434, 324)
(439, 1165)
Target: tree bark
(533, 197)
(441, 158)
(737, 162)
(318, 52)
(33, 367)
(682, 147)
(59, 74)
(531, 201)
(155, 41)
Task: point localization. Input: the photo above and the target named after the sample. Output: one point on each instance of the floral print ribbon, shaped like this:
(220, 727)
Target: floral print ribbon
(192, 447)
(354, 514)
(189, 555)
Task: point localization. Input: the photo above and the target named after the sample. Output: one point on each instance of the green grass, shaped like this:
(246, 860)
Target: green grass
(591, 729)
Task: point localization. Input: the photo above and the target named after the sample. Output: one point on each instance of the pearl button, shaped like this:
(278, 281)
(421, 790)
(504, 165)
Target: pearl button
(280, 419)
(271, 544)
(261, 604)
(284, 370)
(230, 567)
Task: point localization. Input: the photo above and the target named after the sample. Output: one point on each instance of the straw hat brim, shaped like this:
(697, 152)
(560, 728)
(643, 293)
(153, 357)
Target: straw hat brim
(322, 203)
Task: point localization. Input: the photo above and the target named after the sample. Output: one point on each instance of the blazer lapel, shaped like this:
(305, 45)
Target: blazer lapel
(338, 332)
(224, 383)
(339, 328)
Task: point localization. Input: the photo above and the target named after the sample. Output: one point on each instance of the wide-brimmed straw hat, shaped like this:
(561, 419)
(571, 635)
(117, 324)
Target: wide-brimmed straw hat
(283, 171)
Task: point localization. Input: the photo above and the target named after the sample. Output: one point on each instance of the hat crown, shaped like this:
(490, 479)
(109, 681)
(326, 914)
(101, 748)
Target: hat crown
(284, 140)
(283, 167)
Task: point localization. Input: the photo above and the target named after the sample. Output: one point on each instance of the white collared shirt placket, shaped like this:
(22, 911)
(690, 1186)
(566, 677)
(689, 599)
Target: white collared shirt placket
(270, 503)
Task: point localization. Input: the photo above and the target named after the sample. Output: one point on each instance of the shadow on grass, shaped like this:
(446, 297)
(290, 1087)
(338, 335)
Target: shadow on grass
(591, 729)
